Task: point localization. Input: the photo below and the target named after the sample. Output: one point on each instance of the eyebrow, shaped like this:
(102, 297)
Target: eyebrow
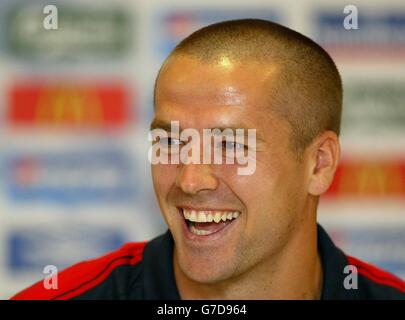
(161, 124)
(164, 125)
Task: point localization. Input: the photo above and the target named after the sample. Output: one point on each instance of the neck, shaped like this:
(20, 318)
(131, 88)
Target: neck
(293, 273)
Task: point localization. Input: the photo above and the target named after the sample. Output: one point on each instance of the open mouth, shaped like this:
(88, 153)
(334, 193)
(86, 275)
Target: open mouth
(207, 222)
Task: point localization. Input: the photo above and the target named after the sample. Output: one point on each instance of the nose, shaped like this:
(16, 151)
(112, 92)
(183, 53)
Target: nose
(193, 178)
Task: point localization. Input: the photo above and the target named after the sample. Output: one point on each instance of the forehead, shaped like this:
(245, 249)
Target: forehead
(206, 95)
(186, 81)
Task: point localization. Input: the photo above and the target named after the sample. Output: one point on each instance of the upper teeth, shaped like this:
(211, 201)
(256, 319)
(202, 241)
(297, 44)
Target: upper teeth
(209, 216)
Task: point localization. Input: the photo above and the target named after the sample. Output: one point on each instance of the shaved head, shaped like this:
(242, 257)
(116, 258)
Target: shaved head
(308, 91)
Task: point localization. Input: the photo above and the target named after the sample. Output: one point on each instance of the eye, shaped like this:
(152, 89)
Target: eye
(170, 141)
(231, 145)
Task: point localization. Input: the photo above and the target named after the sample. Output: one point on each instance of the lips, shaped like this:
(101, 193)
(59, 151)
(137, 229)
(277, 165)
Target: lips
(203, 223)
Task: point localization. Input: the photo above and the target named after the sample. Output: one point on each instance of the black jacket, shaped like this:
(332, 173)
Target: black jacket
(145, 271)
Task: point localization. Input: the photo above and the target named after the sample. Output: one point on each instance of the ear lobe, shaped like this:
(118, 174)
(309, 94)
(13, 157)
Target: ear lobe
(325, 159)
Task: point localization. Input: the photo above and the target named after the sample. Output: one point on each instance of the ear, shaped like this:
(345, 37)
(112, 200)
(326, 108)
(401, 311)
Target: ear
(324, 158)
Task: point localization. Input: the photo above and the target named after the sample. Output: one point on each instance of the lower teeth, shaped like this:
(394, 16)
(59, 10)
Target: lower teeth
(199, 232)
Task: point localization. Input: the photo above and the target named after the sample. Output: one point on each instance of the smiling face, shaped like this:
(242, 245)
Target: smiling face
(268, 204)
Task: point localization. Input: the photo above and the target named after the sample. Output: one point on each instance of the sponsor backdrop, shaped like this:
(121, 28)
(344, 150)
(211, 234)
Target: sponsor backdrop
(75, 105)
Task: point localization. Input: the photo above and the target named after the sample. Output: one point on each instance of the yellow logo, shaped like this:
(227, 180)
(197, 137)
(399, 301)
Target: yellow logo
(371, 179)
(69, 106)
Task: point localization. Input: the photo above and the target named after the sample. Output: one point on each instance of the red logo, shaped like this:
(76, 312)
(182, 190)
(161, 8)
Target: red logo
(68, 105)
(369, 178)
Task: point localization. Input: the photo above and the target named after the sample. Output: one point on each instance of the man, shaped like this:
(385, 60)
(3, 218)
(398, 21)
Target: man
(236, 236)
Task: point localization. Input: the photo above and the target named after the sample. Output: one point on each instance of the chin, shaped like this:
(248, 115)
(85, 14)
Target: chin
(207, 273)
(205, 277)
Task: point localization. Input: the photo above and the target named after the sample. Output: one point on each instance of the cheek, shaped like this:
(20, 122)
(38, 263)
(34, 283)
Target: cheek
(281, 192)
(268, 194)
(163, 177)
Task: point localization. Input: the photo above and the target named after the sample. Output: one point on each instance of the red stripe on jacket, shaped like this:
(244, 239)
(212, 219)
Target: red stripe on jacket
(85, 275)
(377, 275)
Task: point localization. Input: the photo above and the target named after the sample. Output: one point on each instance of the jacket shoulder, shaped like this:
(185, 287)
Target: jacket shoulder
(85, 276)
(376, 283)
